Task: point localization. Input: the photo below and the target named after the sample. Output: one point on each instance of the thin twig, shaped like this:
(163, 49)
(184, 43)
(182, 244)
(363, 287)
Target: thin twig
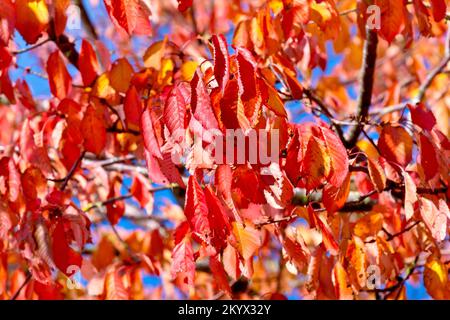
(30, 47)
(72, 171)
(25, 282)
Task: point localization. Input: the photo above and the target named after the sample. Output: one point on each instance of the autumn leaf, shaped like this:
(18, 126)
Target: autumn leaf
(438, 8)
(133, 108)
(396, 144)
(221, 60)
(183, 5)
(219, 274)
(248, 239)
(435, 220)
(94, 131)
(148, 132)
(88, 63)
(340, 282)
(58, 76)
(131, 16)
(297, 252)
(435, 277)
(335, 198)
(196, 210)
(65, 258)
(175, 110)
(32, 18)
(114, 288)
(391, 18)
(377, 175)
(183, 262)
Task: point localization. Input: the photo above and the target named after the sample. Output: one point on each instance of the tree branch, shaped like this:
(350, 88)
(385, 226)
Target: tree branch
(436, 71)
(366, 88)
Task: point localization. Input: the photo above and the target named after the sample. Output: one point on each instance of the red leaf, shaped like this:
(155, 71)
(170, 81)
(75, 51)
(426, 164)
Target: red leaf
(422, 117)
(218, 220)
(31, 153)
(130, 15)
(297, 252)
(183, 5)
(221, 61)
(175, 111)
(58, 76)
(115, 209)
(88, 63)
(183, 262)
(201, 103)
(196, 211)
(327, 237)
(435, 219)
(220, 277)
(140, 190)
(9, 170)
(439, 8)
(149, 135)
(7, 21)
(32, 18)
(246, 74)
(133, 108)
(428, 157)
(64, 257)
(94, 131)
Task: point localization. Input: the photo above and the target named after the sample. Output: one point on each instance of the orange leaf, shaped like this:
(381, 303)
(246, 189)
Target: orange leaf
(376, 174)
(32, 18)
(392, 16)
(120, 75)
(335, 198)
(114, 285)
(396, 144)
(248, 239)
(94, 131)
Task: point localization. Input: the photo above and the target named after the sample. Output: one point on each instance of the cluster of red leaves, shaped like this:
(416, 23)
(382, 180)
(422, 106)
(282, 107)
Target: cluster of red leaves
(63, 163)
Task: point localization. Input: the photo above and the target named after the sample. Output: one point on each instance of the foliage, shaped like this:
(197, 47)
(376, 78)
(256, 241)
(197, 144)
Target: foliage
(354, 207)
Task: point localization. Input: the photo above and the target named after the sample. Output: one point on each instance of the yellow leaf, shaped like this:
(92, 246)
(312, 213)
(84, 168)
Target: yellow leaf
(435, 278)
(357, 262)
(340, 282)
(368, 149)
(188, 69)
(248, 239)
(154, 54)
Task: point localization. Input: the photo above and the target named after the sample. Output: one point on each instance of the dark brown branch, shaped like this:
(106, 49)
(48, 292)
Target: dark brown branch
(392, 236)
(31, 47)
(25, 282)
(86, 20)
(436, 71)
(366, 88)
(325, 110)
(72, 171)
